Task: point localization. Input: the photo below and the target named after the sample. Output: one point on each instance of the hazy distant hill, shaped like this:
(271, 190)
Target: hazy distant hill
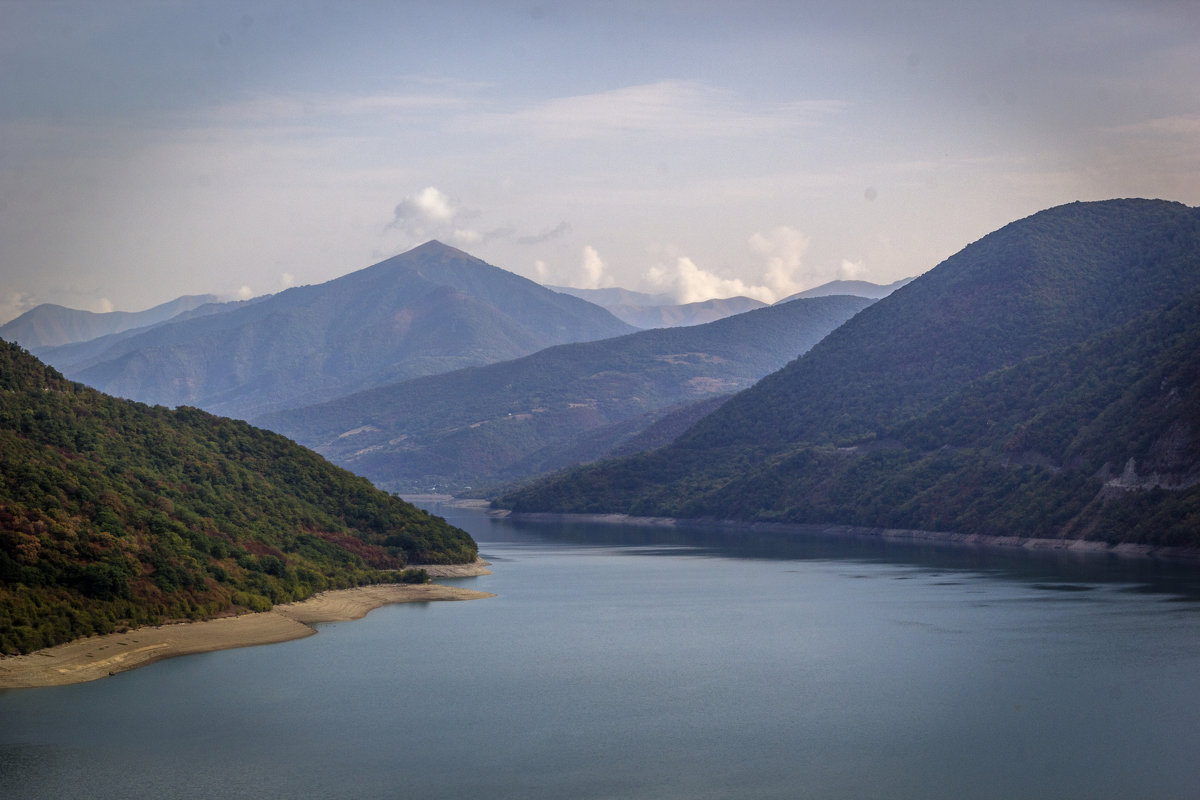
(49, 325)
(115, 513)
(660, 311)
(430, 310)
(555, 407)
(874, 291)
(616, 296)
(685, 314)
(80, 355)
(866, 428)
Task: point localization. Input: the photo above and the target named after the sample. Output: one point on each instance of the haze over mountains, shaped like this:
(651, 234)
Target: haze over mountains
(50, 325)
(562, 405)
(856, 432)
(659, 311)
(874, 291)
(434, 368)
(429, 310)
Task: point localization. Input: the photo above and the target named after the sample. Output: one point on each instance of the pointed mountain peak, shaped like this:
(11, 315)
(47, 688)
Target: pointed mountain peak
(435, 246)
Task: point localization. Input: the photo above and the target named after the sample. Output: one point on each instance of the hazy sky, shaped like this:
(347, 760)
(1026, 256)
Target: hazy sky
(153, 149)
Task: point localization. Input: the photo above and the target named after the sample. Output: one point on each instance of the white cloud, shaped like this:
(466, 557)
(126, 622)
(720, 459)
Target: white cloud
(427, 207)
(245, 292)
(430, 214)
(851, 270)
(14, 304)
(467, 236)
(102, 306)
(286, 280)
(783, 272)
(784, 248)
(591, 273)
(595, 271)
(690, 284)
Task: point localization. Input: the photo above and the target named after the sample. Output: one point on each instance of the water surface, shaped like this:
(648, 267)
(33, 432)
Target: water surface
(642, 663)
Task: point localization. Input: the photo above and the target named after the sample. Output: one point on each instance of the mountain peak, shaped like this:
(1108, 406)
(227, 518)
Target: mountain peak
(434, 245)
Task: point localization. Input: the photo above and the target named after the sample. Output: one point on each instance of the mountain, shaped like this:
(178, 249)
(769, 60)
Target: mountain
(616, 296)
(659, 310)
(77, 355)
(49, 325)
(114, 513)
(1033, 341)
(874, 291)
(570, 403)
(432, 309)
(671, 316)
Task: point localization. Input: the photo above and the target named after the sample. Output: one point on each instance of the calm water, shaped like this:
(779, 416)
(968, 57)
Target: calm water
(632, 663)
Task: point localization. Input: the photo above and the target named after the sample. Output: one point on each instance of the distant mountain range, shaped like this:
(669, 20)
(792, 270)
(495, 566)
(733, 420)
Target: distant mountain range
(874, 291)
(560, 406)
(616, 296)
(50, 325)
(659, 310)
(432, 309)
(114, 514)
(684, 314)
(1041, 382)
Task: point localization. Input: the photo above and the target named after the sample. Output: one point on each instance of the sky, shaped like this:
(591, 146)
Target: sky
(703, 149)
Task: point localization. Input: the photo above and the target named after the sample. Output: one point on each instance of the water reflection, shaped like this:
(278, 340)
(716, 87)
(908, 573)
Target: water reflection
(1050, 571)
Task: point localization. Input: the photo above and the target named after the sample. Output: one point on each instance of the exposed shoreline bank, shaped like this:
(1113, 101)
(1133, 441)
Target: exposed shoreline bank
(96, 657)
(1077, 546)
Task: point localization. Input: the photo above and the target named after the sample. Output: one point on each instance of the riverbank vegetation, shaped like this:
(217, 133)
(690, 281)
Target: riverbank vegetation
(114, 514)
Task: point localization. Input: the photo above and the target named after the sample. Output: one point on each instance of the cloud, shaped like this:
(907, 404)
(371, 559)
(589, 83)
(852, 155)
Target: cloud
(784, 248)
(561, 229)
(427, 208)
(595, 271)
(592, 272)
(245, 292)
(430, 214)
(851, 270)
(14, 304)
(690, 284)
(286, 280)
(102, 306)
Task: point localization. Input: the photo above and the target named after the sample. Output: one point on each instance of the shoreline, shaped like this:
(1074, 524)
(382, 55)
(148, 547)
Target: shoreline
(911, 536)
(94, 657)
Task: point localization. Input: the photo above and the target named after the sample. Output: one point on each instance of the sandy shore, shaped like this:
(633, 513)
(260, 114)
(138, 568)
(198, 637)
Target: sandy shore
(98, 656)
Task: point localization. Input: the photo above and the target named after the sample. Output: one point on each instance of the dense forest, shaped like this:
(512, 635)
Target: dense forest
(1044, 382)
(113, 513)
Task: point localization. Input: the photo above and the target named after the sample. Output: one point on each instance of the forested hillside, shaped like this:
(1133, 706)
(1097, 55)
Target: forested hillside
(560, 406)
(114, 513)
(1042, 382)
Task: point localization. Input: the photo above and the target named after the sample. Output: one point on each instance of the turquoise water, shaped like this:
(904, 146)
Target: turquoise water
(637, 663)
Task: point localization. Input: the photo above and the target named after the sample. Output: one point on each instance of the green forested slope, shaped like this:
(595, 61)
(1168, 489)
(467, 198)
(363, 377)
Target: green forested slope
(1005, 392)
(114, 513)
(517, 418)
